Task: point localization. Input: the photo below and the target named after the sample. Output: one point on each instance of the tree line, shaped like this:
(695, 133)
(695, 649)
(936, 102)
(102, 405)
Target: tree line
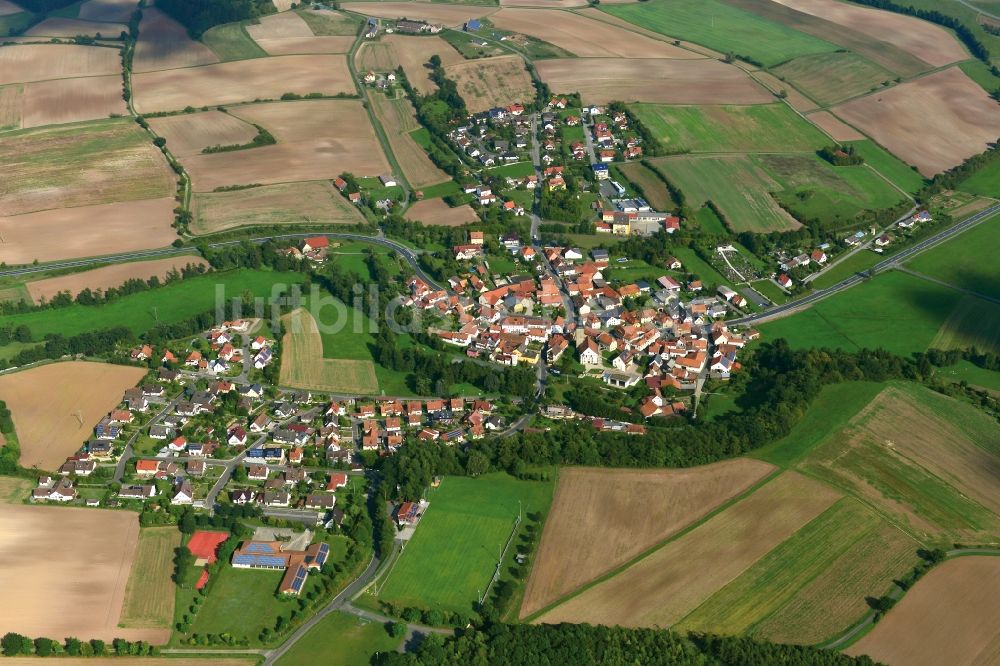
(200, 15)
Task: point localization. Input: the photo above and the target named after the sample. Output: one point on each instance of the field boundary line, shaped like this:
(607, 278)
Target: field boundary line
(778, 471)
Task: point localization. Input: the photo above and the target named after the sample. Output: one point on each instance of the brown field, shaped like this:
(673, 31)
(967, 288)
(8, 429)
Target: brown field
(38, 62)
(108, 10)
(109, 276)
(490, 82)
(64, 27)
(933, 123)
(398, 120)
(88, 554)
(275, 26)
(663, 587)
(413, 53)
(928, 42)
(601, 80)
(436, 212)
(303, 365)
(586, 37)
(55, 406)
(835, 127)
(449, 15)
(604, 17)
(11, 100)
(187, 134)
(289, 203)
(7, 7)
(632, 510)
(72, 100)
(949, 617)
(242, 80)
(316, 139)
(563, 4)
(164, 44)
(149, 595)
(135, 661)
(653, 189)
(795, 99)
(69, 233)
(283, 5)
(377, 56)
(288, 34)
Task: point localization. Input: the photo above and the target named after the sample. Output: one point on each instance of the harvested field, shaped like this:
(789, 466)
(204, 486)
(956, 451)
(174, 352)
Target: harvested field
(289, 203)
(55, 406)
(376, 56)
(135, 661)
(835, 127)
(65, 27)
(922, 39)
(933, 123)
(663, 587)
(69, 233)
(282, 5)
(437, 213)
(118, 11)
(564, 4)
(303, 365)
(38, 62)
(586, 37)
(187, 134)
(109, 276)
(79, 165)
(230, 82)
(601, 80)
(795, 99)
(72, 100)
(398, 120)
(413, 53)
(288, 34)
(949, 617)
(149, 596)
(276, 26)
(164, 44)
(88, 556)
(11, 101)
(316, 139)
(489, 82)
(632, 510)
(449, 15)
(829, 78)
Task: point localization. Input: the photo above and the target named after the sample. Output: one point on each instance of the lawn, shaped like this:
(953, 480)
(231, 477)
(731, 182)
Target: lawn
(142, 311)
(898, 312)
(710, 222)
(901, 174)
(441, 189)
(770, 291)
(831, 77)
(340, 640)
(452, 556)
(516, 170)
(242, 602)
(740, 129)
(721, 27)
(231, 42)
(986, 182)
(967, 260)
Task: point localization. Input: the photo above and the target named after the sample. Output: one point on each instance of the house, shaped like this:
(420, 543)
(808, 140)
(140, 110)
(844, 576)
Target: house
(408, 513)
(237, 437)
(674, 264)
(241, 497)
(258, 472)
(818, 256)
(337, 480)
(784, 281)
(276, 498)
(78, 467)
(601, 171)
(137, 492)
(58, 491)
(196, 467)
(315, 243)
(320, 501)
(146, 468)
(183, 493)
(387, 180)
(589, 352)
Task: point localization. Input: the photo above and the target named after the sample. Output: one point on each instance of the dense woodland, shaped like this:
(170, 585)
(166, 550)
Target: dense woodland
(200, 15)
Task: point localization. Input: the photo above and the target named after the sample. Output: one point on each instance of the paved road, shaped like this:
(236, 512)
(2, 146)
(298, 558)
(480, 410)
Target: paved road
(129, 452)
(860, 248)
(857, 278)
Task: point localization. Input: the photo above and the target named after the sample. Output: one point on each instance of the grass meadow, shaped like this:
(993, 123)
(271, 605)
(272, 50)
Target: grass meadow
(967, 260)
(231, 42)
(965, 371)
(454, 552)
(241, 603)
(901, 174)
(973, 324)
(986, 182)
(831, 77)
(149, 595)
(340, 640)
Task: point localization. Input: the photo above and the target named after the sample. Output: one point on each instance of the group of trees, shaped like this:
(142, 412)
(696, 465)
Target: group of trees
(263, 138)
(15, 645)
(841, 155)
(200, 15)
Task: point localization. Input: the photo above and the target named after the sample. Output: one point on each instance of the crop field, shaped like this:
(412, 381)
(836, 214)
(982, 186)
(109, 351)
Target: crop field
(737, 185)
(663, 587)
(398, 119)
(974, 323)
(315, 139)
(68, 28)
(107, 10)
(454, 551)
(11, 101)
(949, 617)
(188, 134)
(586, 37)
(600, 80)
(242, 80)
(902, 175)
(303, 365)
(793, 97)
(80, 545)
(164, 44)
(315, 202)
(149, 596)
(413, 53)
(846, 535)
(71, 100)
(327, 23)
(289, 33)
(489, 82)
(925, 460)
(39, 62)
(836, 128)
(432, 12)
(135, 661)
(766, 127)
(933, 122)
(80, 165)
(831, 77)
(109, 276)
(54, 406)
(67, 233)
(964, 261)
(653, 189)
(437, 213)
(379, 57)
(728, 29)
(231, 41)
(340, 640)
(632, 510)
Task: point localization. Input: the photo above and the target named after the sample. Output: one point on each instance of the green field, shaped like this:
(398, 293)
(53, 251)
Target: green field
(861, 260)
(441, 190)
(340, 640)
(898, 312)
(454, 552)
(966, 371)
(14, 24)
(738, 129)
(653, 189)
(981, 74)
(973, 324)
(721, 27)
(140, 312)
(770, 291)
(516, 170)
(241, 603)
(330, 24)
(710, 222)
(693, 264)
(986, 182)
(831, 77)
(901, 174)
(967, 260)
(231, 42)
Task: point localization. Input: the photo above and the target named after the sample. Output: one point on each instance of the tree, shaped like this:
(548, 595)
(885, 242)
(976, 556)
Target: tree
(45, 646)
(395, 629)
(15, 644)
(478, 463)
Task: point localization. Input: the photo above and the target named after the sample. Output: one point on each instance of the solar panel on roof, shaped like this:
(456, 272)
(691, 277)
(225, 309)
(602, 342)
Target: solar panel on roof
(324, 553)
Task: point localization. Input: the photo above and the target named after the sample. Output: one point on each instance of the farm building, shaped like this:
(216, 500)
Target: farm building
(272, 555)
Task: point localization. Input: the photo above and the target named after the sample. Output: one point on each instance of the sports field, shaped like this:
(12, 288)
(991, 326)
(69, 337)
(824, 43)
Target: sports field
(455, 549)
(149, 596)
(242, 602)
(831, 77)
(340, 640)
(966, 261)
(303, 365)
